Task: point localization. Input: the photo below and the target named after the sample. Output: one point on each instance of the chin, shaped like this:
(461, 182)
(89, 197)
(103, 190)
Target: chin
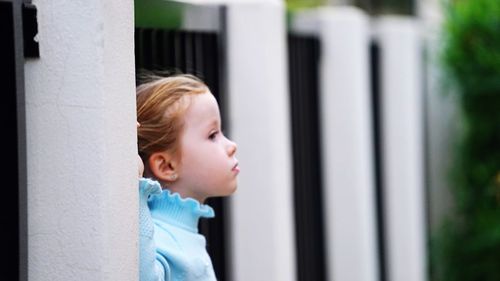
(231, 190)
(234, 189)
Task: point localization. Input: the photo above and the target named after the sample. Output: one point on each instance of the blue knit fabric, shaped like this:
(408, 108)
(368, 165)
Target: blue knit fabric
(171, 249)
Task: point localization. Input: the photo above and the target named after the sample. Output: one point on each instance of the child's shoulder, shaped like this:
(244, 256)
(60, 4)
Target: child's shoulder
(149, 186)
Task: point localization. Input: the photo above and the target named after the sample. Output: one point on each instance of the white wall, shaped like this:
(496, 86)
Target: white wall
(81, 143)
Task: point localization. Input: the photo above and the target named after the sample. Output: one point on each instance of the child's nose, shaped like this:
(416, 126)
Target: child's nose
(232, 147)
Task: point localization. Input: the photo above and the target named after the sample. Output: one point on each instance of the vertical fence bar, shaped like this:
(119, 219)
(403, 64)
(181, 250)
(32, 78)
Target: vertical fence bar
(402, 147)
(10, 205)
(13, 209)
(378, 154)
(303, 54)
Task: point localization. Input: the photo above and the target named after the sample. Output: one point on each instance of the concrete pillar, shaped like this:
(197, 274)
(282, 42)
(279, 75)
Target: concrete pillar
(263, 243)
(401, 99)
(81, 143)
(346, 117)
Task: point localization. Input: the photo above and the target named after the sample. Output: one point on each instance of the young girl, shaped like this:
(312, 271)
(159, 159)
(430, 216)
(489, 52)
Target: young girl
(187, 159)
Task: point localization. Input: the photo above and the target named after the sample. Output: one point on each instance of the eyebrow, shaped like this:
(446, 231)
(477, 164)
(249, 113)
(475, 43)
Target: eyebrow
(213, 122)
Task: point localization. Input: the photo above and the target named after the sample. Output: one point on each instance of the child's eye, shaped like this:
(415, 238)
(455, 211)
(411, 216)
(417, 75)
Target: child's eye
(213, 135)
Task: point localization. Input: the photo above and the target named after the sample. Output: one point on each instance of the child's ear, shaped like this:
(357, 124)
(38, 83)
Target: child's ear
(163, 165)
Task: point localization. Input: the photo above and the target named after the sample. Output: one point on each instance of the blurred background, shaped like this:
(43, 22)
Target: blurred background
(368, 135)
(385, 132)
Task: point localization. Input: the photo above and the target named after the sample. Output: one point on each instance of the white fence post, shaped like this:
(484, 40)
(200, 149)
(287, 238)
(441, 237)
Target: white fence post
(347, 142)
(401, 99)
(81, 143)
(263, 243)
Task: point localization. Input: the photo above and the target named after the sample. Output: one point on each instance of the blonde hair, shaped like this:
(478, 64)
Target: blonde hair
(161, 103)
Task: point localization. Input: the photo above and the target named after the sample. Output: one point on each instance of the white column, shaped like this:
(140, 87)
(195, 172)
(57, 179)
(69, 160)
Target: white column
(346, 141)
(263, 243)
(81, 143)
(443, 118)
(402, 140)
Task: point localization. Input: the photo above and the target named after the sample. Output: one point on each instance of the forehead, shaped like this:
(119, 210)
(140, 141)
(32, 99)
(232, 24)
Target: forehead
(202, 109)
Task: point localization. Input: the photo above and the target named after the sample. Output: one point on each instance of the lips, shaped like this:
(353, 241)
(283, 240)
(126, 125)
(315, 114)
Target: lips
(236, 168)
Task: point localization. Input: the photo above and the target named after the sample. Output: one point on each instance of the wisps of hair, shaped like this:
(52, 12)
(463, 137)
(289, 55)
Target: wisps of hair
(145, 75)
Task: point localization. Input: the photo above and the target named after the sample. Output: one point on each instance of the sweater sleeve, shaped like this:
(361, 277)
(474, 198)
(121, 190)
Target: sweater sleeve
(152, 266)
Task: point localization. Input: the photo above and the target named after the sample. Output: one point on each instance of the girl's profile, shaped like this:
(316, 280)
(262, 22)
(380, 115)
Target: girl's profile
(184, 160)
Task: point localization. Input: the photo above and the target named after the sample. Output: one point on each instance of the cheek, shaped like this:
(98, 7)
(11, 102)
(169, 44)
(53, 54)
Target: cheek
(196, 164)
(203, 161)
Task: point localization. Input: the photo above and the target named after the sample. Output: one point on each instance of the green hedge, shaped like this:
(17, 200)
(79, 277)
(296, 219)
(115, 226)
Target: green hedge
(158, 14)
(294, 5)
(467, 246)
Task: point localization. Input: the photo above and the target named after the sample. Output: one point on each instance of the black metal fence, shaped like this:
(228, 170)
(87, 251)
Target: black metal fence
(377, 7)
(304, 55)
(376, 80)
(17, 30)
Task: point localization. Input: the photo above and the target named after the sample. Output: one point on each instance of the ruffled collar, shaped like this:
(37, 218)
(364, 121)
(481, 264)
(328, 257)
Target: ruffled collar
(183, 212)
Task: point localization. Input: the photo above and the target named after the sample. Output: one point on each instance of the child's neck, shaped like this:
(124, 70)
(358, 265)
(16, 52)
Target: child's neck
(184, 192)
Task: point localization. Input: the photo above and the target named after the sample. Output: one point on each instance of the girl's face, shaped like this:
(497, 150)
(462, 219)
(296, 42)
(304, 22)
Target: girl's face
(208, 166)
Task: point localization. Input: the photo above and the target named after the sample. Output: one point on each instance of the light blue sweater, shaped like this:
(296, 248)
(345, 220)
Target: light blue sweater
(171, 249)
